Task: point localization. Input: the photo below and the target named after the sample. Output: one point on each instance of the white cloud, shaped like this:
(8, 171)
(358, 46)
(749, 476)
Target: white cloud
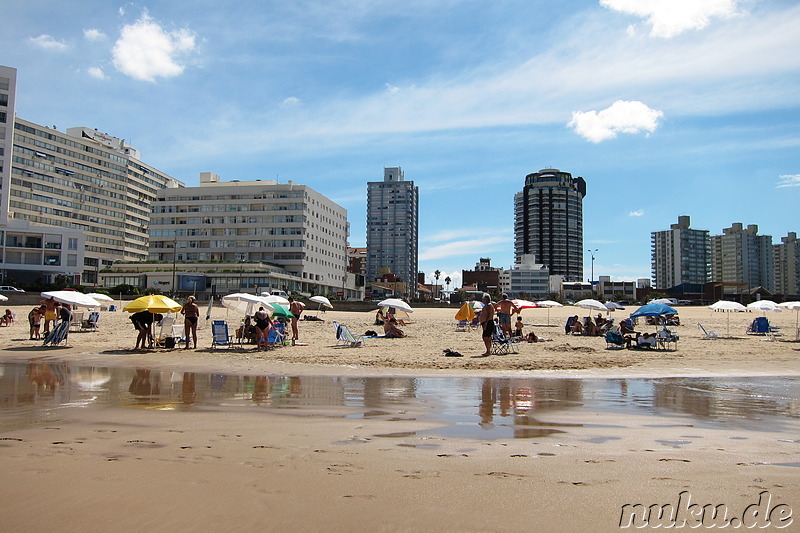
(145, 51)
(789, 180)
(291, 100)
(97, 72)
(48, 42)
(93, 34)
(474, 247)
(669, 18)
(637, 213)
(620, 117)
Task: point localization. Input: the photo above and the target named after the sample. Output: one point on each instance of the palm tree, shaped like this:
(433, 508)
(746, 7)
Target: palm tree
(436, 275)
(447, 282)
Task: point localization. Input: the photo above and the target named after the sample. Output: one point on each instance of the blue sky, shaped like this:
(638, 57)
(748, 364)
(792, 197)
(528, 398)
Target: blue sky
(665, 107)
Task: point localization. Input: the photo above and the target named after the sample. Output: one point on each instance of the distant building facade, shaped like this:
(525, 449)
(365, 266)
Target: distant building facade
(298, 232)
(786, 256)
(35, 253)
(484, 277)
(530, 279)
(548, 222)
(393, 230)
(741, 259)
(680, 256)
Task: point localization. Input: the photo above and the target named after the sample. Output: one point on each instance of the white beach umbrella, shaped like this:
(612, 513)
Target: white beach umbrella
(100, 297)
(321, 300)
(396, 303)
(726, 305)
(764, 305)
(613, 305)
(548, 304)
(794, 306)
(74, 298)
(244, 303)
(274, 299)
(3, 298)
(475, 304)
(595, 305)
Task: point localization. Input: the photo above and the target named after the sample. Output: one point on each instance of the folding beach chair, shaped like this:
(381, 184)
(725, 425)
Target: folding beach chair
(345, 337)
(462, 325)
(91, 322)
(614, 340)
(707, 334)
(220, 335)
(502, 345)
(75, 320)
(57, 335)
(665, 338)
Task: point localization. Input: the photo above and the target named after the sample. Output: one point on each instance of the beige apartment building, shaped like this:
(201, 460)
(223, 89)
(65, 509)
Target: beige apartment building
(252, 236)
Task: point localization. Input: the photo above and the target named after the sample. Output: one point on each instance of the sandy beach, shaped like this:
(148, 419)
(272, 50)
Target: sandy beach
(343, 469)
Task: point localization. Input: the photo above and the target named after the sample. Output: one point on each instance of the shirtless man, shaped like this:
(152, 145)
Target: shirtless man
(486, 320)
(505, 308)
(296, 309)
(49, 314)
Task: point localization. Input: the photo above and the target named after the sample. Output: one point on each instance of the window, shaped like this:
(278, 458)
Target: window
(72, 244)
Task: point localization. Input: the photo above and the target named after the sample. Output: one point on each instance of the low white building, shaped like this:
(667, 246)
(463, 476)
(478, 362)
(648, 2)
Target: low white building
(529, 278)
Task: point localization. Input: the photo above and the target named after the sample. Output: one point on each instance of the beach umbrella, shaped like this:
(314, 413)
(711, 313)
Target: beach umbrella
(396, 303)
(524, 304)
(466, 312)
(611, 306)
(3, 298)
(280, 311)
(795, 306)
(155, 303)
(727, 305)
(654, 309)
(244, 303)
(661, 301)
(475, 304)
(321, 300)
(274, 299)
(75, 298)
(592, 304)
(100, 297)
(764, 305)
(548, 304)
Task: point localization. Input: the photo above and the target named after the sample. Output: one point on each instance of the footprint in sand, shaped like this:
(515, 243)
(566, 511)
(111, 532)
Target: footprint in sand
(144, 444)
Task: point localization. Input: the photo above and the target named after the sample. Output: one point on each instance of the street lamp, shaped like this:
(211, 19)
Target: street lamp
(592, 253)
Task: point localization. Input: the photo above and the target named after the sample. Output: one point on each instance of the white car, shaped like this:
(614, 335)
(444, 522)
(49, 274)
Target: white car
(9, 288)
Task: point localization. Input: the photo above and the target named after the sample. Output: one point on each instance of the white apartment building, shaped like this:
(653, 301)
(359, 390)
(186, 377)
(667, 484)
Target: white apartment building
(742, 259)
(680, 256)
(297, 235)
(30, 253)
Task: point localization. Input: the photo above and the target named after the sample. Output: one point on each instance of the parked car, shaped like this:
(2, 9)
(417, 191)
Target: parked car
(9, 288)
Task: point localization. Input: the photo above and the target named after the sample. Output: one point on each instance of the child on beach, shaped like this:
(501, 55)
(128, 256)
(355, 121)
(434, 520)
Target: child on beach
(35, 321)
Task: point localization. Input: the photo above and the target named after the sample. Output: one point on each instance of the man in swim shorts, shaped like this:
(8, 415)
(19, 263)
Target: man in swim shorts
(505, 308)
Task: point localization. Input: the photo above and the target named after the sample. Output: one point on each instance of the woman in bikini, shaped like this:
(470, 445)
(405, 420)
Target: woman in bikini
(191, 311)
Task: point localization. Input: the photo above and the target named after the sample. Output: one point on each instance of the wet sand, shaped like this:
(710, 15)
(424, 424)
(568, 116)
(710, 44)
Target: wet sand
(169, 469)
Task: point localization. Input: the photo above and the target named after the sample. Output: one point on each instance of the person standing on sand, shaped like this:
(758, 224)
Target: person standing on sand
(486, 320)
(192, 312)
(505, 308)
(296, 309)
(49, 314)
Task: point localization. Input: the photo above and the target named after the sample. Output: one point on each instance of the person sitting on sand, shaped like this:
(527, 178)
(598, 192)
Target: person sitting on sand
(7, 318)
(391, 330)
(646, 341)
(577, 327)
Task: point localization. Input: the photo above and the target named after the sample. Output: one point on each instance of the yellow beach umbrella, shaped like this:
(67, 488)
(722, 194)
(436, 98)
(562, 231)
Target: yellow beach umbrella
(155, 303)
(465, 313)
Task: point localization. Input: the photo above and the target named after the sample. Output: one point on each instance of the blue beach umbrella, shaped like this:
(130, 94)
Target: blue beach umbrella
(654, 309)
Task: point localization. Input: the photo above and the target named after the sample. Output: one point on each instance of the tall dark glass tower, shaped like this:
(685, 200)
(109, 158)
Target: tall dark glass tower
(548, 222)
